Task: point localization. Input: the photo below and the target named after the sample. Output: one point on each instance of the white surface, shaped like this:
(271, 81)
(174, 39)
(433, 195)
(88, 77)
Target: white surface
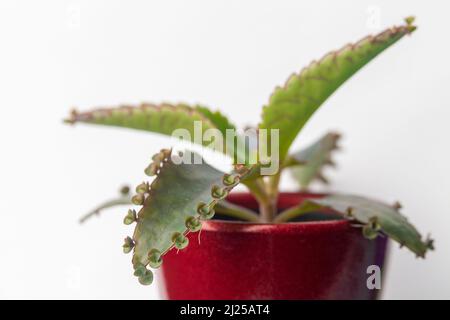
(226, 54)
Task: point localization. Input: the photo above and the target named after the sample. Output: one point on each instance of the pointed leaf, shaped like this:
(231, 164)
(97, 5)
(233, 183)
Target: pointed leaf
(376, 217)
(123, 199)
(291, 106)
(163, 119)
(180, 196)
(309, 163)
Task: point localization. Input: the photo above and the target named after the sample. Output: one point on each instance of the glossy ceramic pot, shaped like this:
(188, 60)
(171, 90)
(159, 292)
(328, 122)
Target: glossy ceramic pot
(299, 260)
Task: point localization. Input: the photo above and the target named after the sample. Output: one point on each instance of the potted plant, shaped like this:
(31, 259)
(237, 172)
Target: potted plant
(264, 244)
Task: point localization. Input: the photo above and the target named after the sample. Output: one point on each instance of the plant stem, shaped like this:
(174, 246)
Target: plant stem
(267, 210)
(224, 207)
(108, 204)
(235, 211)
(289, 214)
(258, 188)
(273, 185)
(269, 207)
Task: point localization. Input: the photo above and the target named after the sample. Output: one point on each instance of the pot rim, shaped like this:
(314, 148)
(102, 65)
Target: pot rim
(245, 226)
(233, 226)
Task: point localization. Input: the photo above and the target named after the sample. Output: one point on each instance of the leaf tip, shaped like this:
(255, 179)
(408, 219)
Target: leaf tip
(410, 24)
(429, 243)
(397, 206)
(72, 117)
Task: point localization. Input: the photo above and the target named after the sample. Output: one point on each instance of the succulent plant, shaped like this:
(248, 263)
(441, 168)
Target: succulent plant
(184, 194)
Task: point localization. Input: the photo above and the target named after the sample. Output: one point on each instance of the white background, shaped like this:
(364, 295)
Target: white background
(226, 54)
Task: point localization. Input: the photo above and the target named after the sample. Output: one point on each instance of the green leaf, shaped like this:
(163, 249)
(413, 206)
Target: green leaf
(291, 106)
(123, 199)
(309, 163)
(181, 196)
(235, 211)
(217, 118)
(162, 119)
(223, 207)
(376, 218)
(239, 154)
(165, 119)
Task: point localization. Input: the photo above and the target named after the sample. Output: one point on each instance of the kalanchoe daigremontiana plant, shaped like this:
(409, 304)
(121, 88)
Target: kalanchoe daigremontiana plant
(182, 195)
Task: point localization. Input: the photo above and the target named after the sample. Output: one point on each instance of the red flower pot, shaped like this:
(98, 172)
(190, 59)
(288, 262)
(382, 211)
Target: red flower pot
(299, 260)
